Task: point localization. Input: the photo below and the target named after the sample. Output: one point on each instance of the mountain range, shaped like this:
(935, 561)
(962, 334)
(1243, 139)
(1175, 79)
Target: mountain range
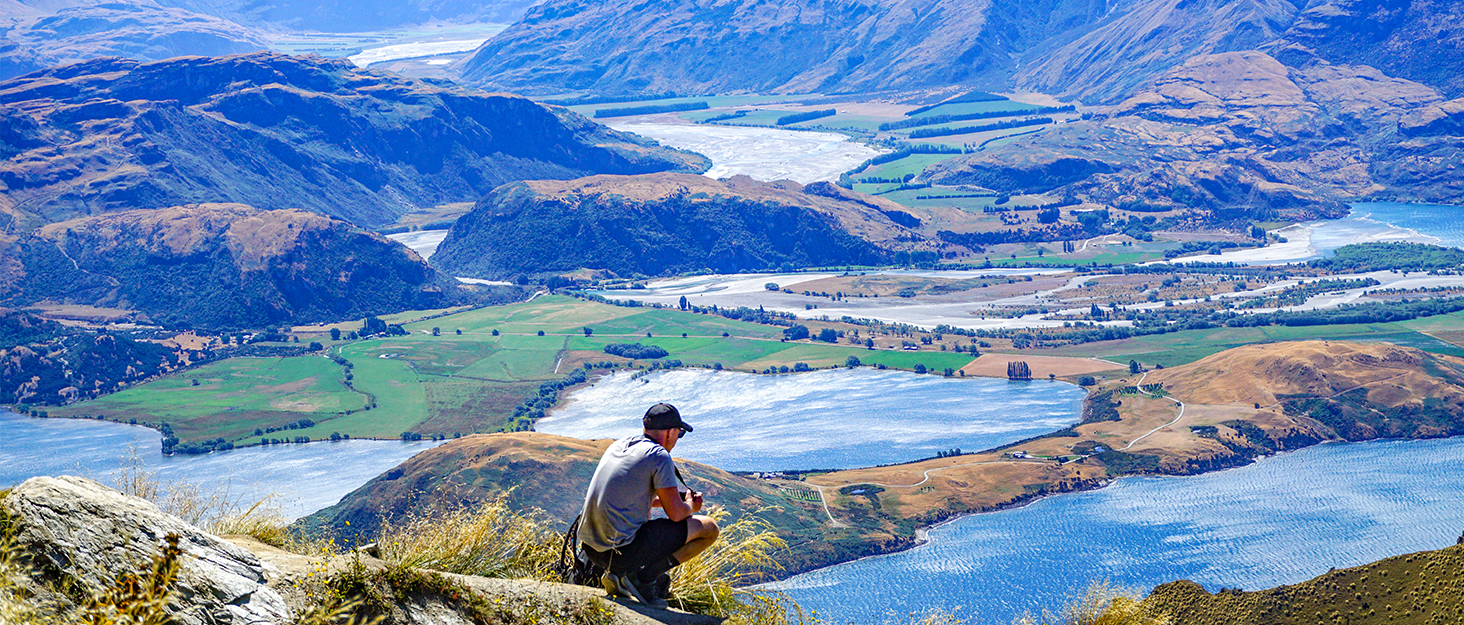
(275, 132)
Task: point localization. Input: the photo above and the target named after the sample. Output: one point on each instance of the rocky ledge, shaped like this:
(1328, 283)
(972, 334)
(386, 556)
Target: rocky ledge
(74, 539)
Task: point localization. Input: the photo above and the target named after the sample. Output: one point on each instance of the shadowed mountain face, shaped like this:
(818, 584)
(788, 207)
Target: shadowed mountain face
(220, 266)
(670, 223)
(350, 16)
(1244, 137)
(136, 29)
(274, 132)
(780, 46)
(1419, 40)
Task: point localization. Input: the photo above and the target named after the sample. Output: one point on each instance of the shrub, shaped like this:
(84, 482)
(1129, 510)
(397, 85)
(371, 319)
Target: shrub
(489, 539)
(635, 350)
(805, 116)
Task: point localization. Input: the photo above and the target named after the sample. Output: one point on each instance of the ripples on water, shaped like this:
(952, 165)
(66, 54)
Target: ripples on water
(305, 477)
(835, 418)
(1279, 521)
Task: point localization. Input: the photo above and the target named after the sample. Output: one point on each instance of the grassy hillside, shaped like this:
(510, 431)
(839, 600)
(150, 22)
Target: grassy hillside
(276, 132)
(221, 266)
(672, 223)
(1414, 589)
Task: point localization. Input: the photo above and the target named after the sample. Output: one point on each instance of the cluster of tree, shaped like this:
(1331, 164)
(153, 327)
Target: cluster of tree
(903, 151)
(798, 367)
(635, 351)
(969, 97)
(1391, 256)
(724, 117)
(52, 364)
(980, 240)
(171, 446)
(533, 406)
(613, 99)
(805, 116)
(1018, 370)
(376, 327)
(932, 120)
(950, 453)
(295, 425)
(1212, 247)
(952, 197)
(651, 109)
(1353, 417)
(926, 133)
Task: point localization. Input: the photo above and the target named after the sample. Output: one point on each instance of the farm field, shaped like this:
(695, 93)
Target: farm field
(470, 377)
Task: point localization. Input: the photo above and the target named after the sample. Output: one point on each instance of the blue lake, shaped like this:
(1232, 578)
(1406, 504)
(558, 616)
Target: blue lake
(829, 419)
(1282, 520)
(1441, 222)
(305, 478)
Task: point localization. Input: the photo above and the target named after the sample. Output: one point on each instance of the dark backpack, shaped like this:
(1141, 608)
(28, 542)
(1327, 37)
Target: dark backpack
(574, 567)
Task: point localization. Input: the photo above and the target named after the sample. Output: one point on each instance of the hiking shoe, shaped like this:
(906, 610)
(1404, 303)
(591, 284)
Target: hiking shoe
(651, 591)
(663, 586)
(621, 585)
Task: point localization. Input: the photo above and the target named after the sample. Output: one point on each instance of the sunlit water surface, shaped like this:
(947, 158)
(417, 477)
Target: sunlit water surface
(1282, 520)
(305, 478)
(829, 419)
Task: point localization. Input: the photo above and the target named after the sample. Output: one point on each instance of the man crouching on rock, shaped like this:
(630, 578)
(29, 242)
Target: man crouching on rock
(617, 532)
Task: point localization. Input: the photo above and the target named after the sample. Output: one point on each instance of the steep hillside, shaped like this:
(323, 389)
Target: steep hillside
(1243, 137)
(547, 472)
(1418, 40)
(794, 46)
(275, 132)
(1138, 42)
(44, 362)
(1417, 588)
(668, 223)
(136, 29)
(221, 266)
(338, 16)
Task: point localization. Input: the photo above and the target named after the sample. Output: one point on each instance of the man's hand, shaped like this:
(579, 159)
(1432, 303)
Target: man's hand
(694, 499)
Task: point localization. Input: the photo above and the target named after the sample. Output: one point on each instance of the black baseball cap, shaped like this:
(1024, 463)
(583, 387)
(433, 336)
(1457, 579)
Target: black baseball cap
(664, 417)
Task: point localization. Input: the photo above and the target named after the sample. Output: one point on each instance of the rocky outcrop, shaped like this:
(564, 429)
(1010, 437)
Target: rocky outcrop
(222, 266)
(77, 533)
(276, 132)
(90, 534)
(1418, 40)
(789, 46)
(669, 223)
(1241, 136)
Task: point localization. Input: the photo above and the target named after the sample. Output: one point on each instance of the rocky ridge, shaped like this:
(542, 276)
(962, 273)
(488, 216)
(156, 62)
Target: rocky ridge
(277, 132)
(1244, 137)
(74, 533)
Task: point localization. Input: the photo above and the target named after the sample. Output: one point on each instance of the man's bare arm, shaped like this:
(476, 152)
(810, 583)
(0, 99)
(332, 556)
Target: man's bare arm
(676, 508)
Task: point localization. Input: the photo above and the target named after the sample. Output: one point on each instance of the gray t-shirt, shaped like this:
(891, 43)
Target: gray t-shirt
(621, 492)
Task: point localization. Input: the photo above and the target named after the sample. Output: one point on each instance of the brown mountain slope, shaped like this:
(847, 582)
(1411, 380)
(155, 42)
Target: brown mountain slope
(274, 132)
(794, 46)
(1137, 43)
(550, 473)
(220, 266)
(1241, 136)
(1269, 373)
(667, 223)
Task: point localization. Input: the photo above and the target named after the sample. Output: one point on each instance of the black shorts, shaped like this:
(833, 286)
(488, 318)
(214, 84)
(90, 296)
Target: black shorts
(654, 542)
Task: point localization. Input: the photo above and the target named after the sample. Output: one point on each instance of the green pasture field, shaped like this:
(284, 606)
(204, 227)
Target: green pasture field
(1177, 348)
(876, 188)
(715, 102)
(841, 121)
(912, 164)
(908, 197)
(963, 108)
(234, 395)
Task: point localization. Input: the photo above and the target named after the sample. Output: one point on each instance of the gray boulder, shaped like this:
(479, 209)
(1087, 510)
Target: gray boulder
(92, 534)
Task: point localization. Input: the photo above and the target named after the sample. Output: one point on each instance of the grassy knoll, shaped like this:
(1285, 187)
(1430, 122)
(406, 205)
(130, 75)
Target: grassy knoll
(469, 378)
(1177, 348)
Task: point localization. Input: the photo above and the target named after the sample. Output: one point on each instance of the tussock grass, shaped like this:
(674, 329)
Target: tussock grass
(487, 540)
(1102, 603)
(715, 582)
(213, 510)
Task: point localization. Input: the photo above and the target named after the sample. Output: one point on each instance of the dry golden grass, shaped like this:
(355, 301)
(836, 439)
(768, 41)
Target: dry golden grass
(488, 540)
(1100, 604)
(715, 581)
(213, 510)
